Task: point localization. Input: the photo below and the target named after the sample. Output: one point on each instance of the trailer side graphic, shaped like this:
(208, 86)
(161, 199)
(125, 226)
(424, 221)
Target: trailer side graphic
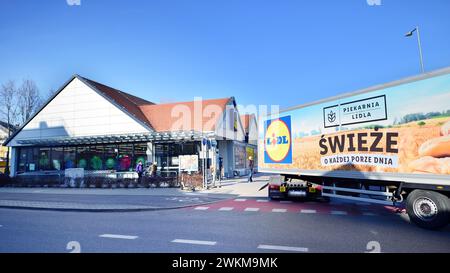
(395, 136)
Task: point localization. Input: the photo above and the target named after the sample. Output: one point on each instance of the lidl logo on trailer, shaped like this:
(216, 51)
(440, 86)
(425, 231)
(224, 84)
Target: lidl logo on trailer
(278, 141)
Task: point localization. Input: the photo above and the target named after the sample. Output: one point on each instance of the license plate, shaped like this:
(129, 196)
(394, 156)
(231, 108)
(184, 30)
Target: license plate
(313, 190)
(282, 189)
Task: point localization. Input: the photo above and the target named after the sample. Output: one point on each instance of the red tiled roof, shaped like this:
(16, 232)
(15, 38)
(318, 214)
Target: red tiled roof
(180, 116)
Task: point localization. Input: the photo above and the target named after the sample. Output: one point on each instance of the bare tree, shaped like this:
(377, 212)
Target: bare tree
(29, 99)
(9, 102)
(8, 109)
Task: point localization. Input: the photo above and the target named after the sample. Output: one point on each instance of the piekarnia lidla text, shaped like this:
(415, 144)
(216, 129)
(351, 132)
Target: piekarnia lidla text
(226, 262)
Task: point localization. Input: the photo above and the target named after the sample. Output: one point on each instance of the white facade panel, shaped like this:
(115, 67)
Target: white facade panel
(79, 111)
(13, 167)
(225, 124)
(253, 132)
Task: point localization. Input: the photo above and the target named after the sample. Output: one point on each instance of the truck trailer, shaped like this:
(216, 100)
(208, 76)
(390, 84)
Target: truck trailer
(388, 144)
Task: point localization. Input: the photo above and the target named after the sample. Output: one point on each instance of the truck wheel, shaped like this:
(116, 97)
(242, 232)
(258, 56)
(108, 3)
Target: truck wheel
(428, 209)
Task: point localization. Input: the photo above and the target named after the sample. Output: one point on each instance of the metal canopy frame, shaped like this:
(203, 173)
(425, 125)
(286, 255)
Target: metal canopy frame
(121, 138)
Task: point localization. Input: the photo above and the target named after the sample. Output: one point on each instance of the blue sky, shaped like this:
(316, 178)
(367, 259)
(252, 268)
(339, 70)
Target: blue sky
(260, 51)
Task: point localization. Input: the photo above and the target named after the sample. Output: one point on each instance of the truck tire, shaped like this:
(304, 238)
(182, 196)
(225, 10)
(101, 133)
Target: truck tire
(428, 209)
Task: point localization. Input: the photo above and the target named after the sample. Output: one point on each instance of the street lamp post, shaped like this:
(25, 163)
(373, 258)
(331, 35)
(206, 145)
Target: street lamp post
(409, 34)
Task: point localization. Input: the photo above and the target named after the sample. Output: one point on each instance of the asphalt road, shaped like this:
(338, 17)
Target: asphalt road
(161, 201)
(242, 226)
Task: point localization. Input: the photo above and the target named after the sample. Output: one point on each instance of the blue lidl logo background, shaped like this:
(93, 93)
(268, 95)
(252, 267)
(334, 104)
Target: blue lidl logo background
(278, 141)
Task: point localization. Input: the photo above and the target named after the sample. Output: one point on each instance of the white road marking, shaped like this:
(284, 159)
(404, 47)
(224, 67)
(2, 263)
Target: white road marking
(262, 200)
(279, 210)
(240, 200)
(251, 209)
(285, 202)
(226, 208)
(202, 208)
(194, 242)
(338, 212)
(118, 236)
(285, 248)
(308, 211)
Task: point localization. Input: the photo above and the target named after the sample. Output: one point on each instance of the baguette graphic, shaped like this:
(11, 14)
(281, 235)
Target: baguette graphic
(430, 164)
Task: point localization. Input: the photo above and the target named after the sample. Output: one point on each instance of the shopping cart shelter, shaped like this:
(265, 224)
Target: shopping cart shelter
(88, 125)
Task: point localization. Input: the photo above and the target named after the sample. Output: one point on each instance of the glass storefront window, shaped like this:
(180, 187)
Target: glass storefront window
(44, 159)
(70, 157)
(239, 157)
(188, 149)
(122, 157)
(96, 159)
(140, 153)
(162, 156)
(110, 157)
(174, 152)
(33, 158)
(57, 158)
(251, 152)
(28, 159)
(23, 159)
(125, 157)
(83, 156)
(167, 155)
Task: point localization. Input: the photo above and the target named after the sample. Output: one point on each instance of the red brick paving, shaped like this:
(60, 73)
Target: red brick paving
(298, 206)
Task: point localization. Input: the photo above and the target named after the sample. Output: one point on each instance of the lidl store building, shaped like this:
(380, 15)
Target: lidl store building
(92, 126)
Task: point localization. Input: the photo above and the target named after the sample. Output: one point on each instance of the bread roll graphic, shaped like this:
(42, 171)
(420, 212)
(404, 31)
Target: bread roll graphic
(429, 164)
(445, 168)
(436, 147)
